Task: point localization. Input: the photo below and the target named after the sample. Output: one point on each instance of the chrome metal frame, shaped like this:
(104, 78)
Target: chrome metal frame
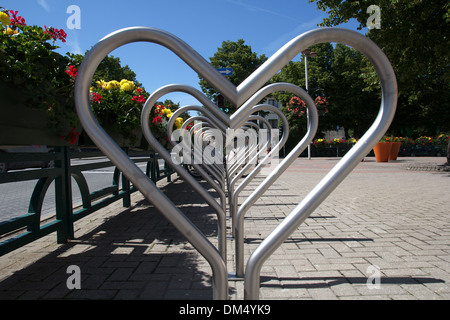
(246, 97)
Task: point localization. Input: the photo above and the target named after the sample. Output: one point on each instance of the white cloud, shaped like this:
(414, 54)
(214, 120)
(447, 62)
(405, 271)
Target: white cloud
(281, 41)
(44, 4)
(260, 9)
(74, 44)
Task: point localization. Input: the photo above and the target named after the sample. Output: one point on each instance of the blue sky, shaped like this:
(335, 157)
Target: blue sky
(265, 25)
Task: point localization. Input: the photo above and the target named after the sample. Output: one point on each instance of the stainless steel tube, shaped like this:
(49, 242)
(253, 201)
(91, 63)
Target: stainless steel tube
(348, 162)
(122, 161)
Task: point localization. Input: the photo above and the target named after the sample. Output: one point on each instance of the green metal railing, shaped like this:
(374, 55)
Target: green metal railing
(22, 230)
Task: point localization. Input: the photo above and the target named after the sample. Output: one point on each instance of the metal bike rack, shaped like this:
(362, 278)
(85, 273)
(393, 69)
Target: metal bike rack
(223, 177)
(345, 165)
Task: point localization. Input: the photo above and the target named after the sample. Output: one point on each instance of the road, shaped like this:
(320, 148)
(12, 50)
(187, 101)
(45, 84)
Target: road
(15, 197)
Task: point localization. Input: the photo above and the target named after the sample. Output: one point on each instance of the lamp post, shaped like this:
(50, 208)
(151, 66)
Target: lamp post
(308, 53)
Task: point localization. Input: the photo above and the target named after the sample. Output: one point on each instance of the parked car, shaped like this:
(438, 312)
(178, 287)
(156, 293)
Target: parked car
(6, 166)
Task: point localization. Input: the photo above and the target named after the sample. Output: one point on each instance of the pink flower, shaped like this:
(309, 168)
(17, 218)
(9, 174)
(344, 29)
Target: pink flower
(321, 100)
(297, 101)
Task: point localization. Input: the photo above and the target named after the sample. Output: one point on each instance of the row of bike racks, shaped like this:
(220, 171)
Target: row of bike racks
(214, 133)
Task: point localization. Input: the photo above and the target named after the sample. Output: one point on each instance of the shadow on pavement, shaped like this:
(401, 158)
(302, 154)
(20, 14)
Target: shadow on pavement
(135, 254)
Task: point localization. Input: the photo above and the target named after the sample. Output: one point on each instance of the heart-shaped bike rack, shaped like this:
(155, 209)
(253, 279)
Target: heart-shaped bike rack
(214, 131)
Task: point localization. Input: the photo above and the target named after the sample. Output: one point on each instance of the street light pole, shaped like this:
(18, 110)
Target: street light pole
(308, 53)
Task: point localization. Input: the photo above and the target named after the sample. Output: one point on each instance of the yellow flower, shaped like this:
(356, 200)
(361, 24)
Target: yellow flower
(179, 122)
(4, 19)
(10, 31)
(100, 83)
(111, 85)
(166, 111)
(126, 85)
(168, 115)
(115, 84)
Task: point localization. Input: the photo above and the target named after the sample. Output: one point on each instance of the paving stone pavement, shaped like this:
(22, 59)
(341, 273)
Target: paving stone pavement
(387, 219)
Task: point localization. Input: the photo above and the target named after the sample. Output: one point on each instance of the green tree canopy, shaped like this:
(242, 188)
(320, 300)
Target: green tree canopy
(236, 55)
(414, 34)
(336, 75)
(109, 69)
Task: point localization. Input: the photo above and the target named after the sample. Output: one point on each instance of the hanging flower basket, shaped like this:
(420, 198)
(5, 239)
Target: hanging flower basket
(36, 86)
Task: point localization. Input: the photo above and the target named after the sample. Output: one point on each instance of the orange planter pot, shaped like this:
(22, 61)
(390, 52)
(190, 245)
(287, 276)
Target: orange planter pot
(382, 151)
(395, 148)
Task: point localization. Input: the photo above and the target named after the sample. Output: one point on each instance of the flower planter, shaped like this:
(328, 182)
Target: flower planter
(382, 151)
(21, 125)
(395, 148)
(135, 142)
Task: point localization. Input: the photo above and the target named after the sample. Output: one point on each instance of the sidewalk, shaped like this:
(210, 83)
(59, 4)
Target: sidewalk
(390, 219)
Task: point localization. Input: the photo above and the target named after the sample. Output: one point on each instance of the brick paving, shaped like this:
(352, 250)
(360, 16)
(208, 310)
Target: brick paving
(391, 219)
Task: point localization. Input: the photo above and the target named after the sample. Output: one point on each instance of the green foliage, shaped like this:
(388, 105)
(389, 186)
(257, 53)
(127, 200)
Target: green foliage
(414, 36)
(236, 55)
(335, 74)
(117, 106)
(28, 61)
(109, 68)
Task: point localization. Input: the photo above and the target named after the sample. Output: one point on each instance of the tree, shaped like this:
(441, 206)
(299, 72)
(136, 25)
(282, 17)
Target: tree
(414, 36)
(236, 55)
(335, 74)
(110, 68)
(353, 106)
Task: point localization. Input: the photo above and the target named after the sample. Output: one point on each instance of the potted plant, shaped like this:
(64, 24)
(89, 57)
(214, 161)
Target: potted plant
(320, 143)
(159, 120)
(395, 147)
(36, 85)
(443, 142)
(382, 149)
(117, 107)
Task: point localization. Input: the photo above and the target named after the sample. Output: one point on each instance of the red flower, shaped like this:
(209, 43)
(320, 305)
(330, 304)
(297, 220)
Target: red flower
(73, 136)
(139, 99)
(96, 97)
(56, 34)
(72, 71)
(17, 20)
(157, 119)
